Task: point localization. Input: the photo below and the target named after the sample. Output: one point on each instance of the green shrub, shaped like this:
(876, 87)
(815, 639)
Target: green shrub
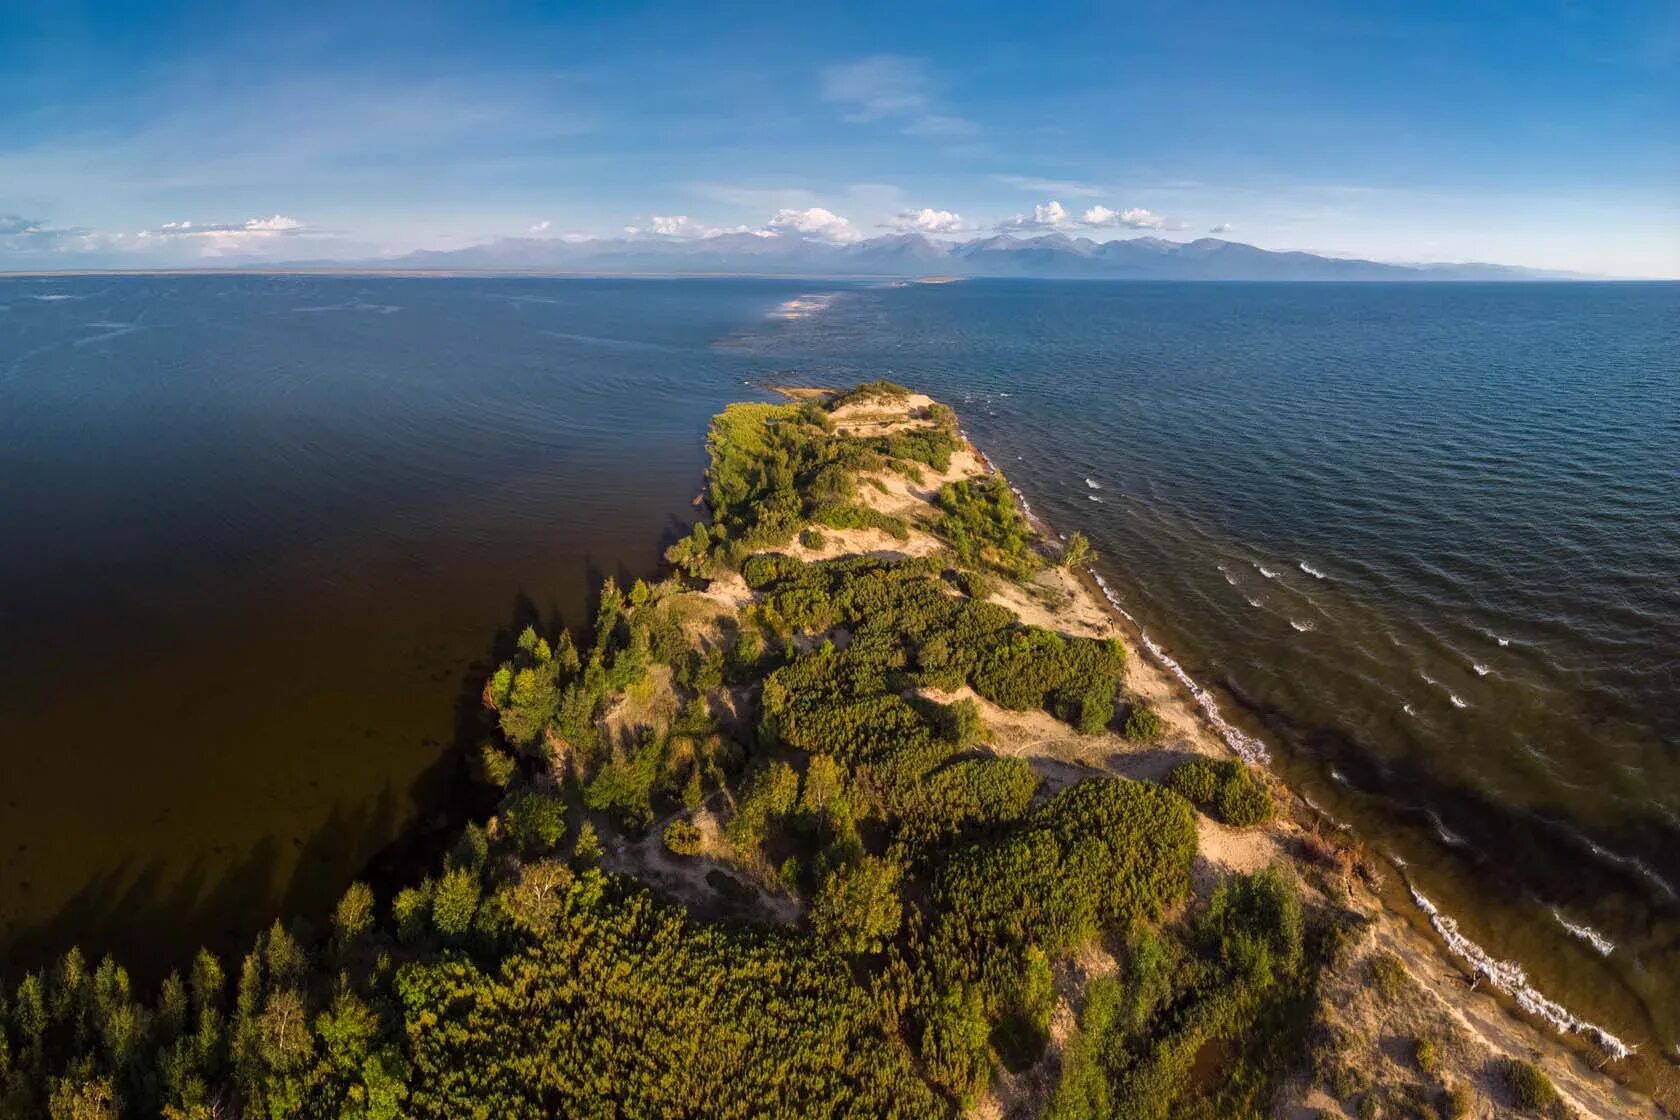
(1229, 788)
(983, 525)
(1457, 1101)
(1244, 801)
(536, 821)
(1529, 1087)
(811, 538)
(1427, 1053)
(454, 902)
(683, 838)
(881, 390)
(1076, 553)
(1142, 722)
(495, 766)
(858, 906)
(1197, 780)
(1388, 975)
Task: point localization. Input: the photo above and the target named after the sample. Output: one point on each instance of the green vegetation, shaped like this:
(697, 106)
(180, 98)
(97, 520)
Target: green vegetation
(983, 524)
(1529, 1087)
(1234, 792)
(928, 899)
(1142, 723)
(1076, 553)
(1388, 975)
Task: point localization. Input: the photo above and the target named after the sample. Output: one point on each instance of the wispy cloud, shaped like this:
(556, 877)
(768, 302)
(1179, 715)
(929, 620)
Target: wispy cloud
(888, 87)
(680, 227)
(32, 235)
(1036, 185)
(218, 238)
(815, 223)
(1222, 227)
(541, 227)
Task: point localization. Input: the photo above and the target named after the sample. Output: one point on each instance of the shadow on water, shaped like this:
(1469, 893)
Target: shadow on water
(148, 914)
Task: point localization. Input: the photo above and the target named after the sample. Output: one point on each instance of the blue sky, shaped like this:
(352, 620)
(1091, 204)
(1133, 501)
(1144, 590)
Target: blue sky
(164, 133)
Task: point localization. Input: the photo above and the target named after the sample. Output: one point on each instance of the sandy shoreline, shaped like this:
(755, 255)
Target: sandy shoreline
(1457, 990)
(1477, 988)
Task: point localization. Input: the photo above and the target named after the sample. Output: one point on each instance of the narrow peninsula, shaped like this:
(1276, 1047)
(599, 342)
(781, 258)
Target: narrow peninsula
(871, 808)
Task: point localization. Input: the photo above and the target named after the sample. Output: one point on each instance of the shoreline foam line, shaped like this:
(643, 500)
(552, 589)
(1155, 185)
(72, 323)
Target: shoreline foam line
(1244, 746)
(1506, 976)
(1509, 977)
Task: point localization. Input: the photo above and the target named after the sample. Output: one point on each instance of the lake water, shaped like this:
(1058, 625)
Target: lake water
(262, 533)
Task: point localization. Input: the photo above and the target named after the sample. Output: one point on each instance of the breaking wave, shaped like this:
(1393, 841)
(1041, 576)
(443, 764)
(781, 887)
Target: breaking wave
(1510, 978)
(1311, 571)
(1591, 936)
(1302, 626)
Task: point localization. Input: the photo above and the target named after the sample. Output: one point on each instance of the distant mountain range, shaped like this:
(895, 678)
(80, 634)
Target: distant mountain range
(910, 254)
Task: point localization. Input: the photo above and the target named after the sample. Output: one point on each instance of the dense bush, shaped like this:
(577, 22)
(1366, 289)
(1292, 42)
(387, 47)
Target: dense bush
(983, 524)
(1529, 1087)
(1234, 792)
(858, 907)
(1142, 722)
(535, 820)
(628, 1009)
(682, 838)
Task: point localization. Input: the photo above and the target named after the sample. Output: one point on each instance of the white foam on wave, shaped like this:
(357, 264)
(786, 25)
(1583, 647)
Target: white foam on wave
(1509, 977)
(351, 305)
(1457, 701)
(1246, 747)
(1637, 865)
(54, 297)
(1311, 571)
(1302, 626)
(1504, 641)
(1093, 497)
(1254, 602)
(1265, 571)
(1408, 709)
(1447, 835)
(1093, 484)
(1427, 678)
(1481, 670)
(1229, 578)
(1591, 936)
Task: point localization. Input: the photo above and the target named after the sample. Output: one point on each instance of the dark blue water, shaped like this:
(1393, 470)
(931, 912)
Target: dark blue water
(1425, 539)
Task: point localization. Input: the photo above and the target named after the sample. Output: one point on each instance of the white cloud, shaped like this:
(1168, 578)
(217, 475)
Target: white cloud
(1222, 227)
(1101, 217)
(1049, 186)
(541, 227)
(681, 227)
(891, 87)
(927, 220)
(224, 238)
(815, 222)
(1046, 215)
